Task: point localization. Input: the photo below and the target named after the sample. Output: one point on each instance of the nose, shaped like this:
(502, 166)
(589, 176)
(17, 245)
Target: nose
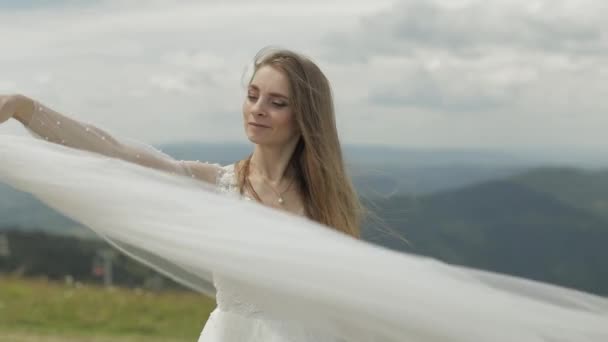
(257, 108)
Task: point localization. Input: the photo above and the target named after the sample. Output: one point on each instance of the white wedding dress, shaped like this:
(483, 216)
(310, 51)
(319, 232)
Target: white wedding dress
(237, 320)
(277, 277)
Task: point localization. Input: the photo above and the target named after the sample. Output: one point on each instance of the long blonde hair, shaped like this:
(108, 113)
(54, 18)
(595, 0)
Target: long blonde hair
(328, 194)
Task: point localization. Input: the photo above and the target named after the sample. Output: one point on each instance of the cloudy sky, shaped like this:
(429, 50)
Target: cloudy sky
(417, 73)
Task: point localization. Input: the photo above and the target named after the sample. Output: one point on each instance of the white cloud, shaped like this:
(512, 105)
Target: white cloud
(419, 72)
(483, 73)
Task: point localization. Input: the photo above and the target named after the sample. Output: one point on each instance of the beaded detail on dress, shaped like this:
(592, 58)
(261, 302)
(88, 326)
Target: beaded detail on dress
(227, 182)
(230, 293)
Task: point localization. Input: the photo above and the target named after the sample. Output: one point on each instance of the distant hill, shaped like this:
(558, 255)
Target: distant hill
(25, 212)
(37, 254)
(504, 226)
(584, 189)
(228, 152)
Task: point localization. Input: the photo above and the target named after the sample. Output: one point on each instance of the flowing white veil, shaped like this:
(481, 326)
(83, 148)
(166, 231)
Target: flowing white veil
(294, 268)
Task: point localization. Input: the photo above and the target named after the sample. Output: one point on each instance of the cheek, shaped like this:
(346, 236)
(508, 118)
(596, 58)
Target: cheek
(284, 120)
(287, 122)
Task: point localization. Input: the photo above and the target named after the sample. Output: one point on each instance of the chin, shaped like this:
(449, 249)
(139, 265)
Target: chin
(256, 139)
(263, 139)
(253, 140)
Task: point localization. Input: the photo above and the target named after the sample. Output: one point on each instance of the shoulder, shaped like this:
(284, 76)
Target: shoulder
(227, 174)
(212, 173)
(227, 180)
(204, 171)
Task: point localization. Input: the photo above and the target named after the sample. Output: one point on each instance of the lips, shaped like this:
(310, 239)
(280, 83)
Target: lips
(258, 125)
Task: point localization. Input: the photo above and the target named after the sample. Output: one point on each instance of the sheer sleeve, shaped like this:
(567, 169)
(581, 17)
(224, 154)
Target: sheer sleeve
(47, 124)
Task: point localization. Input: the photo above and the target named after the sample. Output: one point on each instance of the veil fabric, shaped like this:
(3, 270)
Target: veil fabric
(295, 269)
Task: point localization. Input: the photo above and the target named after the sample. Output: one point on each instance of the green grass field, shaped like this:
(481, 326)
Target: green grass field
(39, 310)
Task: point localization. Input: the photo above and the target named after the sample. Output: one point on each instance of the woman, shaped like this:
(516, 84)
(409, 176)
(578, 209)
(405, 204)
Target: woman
(296, 165)
(288, 114)
(279, 278)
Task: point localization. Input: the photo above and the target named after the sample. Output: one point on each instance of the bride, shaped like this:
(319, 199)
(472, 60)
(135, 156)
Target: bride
(293, 269)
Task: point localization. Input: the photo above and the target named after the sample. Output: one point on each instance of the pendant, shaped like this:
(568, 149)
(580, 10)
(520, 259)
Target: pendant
(281, 200)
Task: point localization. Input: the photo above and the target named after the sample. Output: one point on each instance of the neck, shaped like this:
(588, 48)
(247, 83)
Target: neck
(271, 162)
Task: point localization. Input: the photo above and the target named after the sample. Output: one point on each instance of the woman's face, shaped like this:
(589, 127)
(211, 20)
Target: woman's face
(267, 111)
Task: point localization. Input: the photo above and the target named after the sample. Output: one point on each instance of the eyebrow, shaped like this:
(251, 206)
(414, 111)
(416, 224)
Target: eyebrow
(254, 87)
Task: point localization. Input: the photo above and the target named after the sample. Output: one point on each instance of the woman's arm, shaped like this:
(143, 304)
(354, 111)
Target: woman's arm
(57, 128)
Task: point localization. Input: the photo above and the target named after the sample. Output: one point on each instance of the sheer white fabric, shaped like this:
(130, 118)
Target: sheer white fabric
(236, 318)
(52, 126)
(280, 277)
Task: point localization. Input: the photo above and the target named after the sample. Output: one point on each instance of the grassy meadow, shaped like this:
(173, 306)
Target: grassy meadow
(41, 310)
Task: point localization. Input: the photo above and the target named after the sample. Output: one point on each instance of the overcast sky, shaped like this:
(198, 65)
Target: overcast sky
(416, 73)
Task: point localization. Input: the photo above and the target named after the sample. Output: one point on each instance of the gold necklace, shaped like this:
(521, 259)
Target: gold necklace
(255, 193)
(279, 195)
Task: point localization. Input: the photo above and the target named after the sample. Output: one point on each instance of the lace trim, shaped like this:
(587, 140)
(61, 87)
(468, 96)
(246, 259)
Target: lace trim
(228, 295)
(227, 182)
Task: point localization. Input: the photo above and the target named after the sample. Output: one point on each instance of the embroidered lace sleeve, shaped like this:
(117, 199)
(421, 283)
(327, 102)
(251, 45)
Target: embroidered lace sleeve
(55, 127)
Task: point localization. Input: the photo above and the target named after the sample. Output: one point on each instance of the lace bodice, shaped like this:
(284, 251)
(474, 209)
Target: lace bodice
(227, 182)
(230, 293)
(235, 297)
